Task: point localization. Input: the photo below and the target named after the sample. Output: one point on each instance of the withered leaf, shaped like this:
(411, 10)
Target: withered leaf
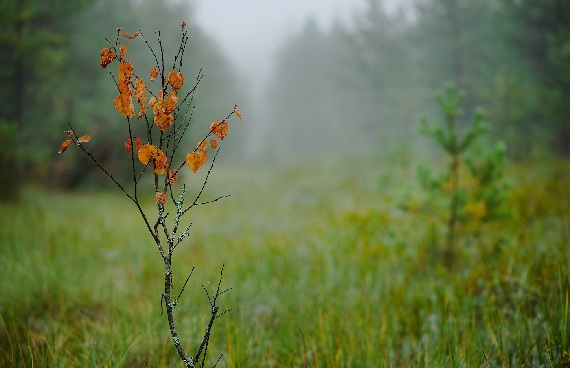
(220, 130)
(84, 139)
(147, 153)
(161, 198)
(126, 35)
(172, 176)
(196, 160)
(124, 105)
(107, 57)
(153, 74)
(64, 146)
(176, 80)
(160, 163)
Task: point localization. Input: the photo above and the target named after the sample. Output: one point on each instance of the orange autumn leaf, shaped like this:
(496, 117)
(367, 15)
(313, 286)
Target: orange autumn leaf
(147, 153)
(238, 114)
(64, 146)
(151, 102)
(170, 102)
(122, 51)
(201, 145)
(161, 197)
(183, 24)
(140, 90)
(213, 143)
(129, 144)
(68, 132)
(140, 95)
(163, 121)
(160, 163)
(195, 160)
(162, 109)
(176, 80)
(125, 70)
(84, 139)
(124, 87)
(220, 130)
(153, 74)
(126, 35)
(172, 176)
(107, 57)
(124, 105)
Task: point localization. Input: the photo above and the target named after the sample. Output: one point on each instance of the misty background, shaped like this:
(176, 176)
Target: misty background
(318, 80)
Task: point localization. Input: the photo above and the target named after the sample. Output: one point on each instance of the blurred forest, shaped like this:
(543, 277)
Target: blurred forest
(363, 86)
(50, 76)
(353, 88)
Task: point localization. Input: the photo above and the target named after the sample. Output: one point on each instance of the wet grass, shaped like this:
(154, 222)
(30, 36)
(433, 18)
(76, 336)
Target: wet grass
(325, 271)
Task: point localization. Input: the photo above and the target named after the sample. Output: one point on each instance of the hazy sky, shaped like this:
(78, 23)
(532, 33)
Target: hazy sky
(251, 30)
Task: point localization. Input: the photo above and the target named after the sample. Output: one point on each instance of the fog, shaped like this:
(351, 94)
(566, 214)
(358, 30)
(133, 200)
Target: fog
(323, 79)
(343, 77)
(253, 33)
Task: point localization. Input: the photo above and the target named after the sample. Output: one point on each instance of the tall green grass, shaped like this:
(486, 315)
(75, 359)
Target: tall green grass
(325, 271)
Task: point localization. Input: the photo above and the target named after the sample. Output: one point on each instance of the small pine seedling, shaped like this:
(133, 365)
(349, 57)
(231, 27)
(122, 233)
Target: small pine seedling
(477, 194)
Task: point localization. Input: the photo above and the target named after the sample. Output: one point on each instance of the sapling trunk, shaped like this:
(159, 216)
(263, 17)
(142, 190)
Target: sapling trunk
(454, 144)
(158, 155)
(449, 252)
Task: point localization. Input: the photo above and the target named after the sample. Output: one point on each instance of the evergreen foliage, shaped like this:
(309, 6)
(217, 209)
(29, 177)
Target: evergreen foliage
(475, 195)
(380, 69)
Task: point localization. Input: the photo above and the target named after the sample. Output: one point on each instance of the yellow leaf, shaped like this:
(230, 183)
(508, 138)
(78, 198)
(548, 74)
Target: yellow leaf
(124, 105)
(163, 120)
(160, 163)
(220, 130)
(170, 102)
(202, 147)
(195, 160)
(176, 80)
(147, 153)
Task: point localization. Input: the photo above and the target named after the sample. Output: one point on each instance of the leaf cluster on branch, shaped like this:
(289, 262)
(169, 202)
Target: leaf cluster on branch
(162, 124)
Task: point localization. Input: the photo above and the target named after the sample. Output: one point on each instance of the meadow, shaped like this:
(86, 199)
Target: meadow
(324, 267)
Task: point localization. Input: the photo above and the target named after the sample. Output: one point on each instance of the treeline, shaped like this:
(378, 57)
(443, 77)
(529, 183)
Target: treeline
(356, 87)
(50, 75)
(362, 86)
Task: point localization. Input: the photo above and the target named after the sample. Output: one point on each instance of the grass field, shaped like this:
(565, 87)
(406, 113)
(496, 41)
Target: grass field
(325, 271)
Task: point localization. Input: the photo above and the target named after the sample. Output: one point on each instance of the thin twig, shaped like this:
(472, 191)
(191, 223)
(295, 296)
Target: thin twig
(184, 286)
